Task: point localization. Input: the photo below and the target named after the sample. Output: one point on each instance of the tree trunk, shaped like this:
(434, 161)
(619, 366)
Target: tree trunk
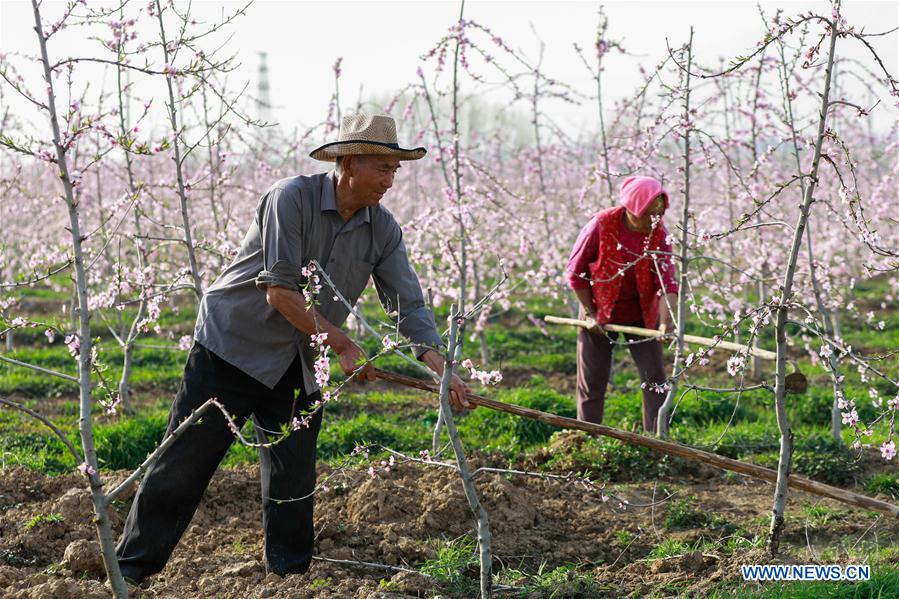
(179, 167)
(457, 182)
(102, 523)
(784, 463)
(665, 409)
(471, 493)
(124, 101)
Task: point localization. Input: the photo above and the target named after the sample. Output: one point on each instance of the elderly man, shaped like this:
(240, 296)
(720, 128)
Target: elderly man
(253, 353)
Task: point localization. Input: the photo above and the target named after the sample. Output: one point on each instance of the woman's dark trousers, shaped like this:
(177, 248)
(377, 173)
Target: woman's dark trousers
(172, 488)
(594, 362)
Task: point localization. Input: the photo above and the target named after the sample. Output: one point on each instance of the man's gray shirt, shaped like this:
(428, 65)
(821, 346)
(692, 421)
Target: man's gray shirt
(297, 222)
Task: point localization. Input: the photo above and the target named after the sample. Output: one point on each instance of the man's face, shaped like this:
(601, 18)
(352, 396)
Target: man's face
(371, 176)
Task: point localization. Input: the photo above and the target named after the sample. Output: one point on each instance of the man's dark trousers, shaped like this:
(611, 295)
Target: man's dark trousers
(172, 488)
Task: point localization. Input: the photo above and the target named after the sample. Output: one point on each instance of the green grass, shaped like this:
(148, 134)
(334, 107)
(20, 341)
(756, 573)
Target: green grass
(884, 483)
(36, 451)
(682, 513)
(120, 445)
(607, 459)
(818, 515)
(669, 547)
(42, 519)
(555, 583)
(735, 441)
(499, 432)
(818, 456)
(815, 455)
(152, 368)
(450, 566)
(126, 444)
(339, 436)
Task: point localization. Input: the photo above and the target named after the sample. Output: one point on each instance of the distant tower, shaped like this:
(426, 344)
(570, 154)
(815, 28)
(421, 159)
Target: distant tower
(263, 100)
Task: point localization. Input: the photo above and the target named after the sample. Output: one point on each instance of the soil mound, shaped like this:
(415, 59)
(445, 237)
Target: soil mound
(401, 518)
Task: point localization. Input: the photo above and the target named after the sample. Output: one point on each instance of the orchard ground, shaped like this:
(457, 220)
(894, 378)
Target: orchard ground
(551, 538)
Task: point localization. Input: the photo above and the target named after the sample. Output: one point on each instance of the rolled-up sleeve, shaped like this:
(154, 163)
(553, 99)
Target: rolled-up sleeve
(585, 251)
(279, 220)
(400, 293)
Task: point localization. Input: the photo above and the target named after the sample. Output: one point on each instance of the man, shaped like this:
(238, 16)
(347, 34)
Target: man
(252, 346)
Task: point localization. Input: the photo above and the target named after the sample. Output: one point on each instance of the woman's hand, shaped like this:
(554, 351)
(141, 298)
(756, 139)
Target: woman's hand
(664, 326)
(666, 323)
(596, 327)
(585, 298)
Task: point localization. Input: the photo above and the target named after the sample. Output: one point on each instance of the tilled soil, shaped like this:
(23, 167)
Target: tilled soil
(397, 518)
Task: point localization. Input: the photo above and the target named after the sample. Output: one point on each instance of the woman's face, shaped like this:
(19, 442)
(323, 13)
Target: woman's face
(655, 209)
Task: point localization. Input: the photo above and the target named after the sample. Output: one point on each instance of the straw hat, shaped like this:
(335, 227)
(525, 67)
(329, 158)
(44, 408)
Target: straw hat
(366, 134)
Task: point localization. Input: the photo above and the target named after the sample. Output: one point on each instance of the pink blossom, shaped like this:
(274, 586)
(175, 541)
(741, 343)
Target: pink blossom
(850, 418)
(888, 450)
(112, 404)
(388, 343)
(322, 369)
(86, 469)
(482, 376)
(735, 364)
(74, 344)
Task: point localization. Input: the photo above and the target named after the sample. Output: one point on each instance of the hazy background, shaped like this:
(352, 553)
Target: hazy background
(381, 44)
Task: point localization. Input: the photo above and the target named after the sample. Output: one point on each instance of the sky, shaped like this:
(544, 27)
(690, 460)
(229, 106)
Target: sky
(381, 42)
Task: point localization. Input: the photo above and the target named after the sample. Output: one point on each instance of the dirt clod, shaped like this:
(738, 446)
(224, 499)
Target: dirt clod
(75, 505)
(412, 583)
(243, 570)
(84, 557)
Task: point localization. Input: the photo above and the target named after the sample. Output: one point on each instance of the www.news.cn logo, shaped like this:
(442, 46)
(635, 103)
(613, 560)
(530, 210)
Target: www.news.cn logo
(805, 572)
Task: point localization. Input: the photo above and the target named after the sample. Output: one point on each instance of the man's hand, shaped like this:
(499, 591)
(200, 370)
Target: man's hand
(458, 397)
(458, 389)
(291, 304)
(350, 356)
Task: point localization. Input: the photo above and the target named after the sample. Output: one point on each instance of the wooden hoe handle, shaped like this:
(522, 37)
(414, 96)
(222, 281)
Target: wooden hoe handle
(666, 447)
(641, 332)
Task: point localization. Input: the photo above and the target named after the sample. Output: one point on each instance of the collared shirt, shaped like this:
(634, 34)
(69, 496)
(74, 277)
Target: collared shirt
(296, 222)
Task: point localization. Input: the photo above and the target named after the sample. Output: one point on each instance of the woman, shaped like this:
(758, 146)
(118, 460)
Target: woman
(618, 278)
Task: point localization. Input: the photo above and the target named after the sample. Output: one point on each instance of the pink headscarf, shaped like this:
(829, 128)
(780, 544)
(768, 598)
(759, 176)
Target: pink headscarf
(637, 193)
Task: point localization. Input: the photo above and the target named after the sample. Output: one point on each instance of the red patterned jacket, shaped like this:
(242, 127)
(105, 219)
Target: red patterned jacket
(597, 258)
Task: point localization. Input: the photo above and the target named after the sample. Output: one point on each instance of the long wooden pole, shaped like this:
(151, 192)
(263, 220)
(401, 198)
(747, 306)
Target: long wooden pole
(620, 328)
(666, 447)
